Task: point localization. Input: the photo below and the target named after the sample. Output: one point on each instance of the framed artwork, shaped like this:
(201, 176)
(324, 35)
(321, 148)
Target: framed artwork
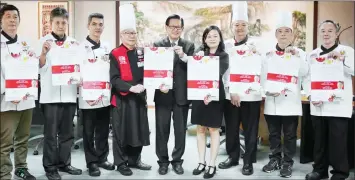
(198, 15)
(44, 11)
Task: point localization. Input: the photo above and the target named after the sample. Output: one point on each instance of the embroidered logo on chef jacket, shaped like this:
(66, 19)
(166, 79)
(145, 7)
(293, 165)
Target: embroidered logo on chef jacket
(122, 60)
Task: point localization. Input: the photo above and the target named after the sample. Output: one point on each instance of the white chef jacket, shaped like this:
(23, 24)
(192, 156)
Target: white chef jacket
(22, 46)
(50, 93)
(248, 97)
(289, 104)
(340, 108)
(93, 50)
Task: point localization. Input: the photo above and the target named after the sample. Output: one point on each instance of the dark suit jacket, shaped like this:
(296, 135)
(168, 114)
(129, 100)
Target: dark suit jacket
(179, 92)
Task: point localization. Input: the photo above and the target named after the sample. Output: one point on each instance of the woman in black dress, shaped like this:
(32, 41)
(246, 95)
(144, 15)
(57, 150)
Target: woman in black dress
(208, 114)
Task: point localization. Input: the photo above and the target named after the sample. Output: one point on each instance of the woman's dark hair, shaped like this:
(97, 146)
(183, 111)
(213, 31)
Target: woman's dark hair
(221, 46)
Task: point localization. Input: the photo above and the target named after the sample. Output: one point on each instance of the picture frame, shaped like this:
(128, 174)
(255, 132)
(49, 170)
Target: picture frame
(44, 10)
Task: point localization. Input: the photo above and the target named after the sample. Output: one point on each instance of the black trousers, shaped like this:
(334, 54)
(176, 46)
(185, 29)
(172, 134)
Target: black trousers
(58, 135)
(330, 145)
(163, 122)
(287, 124)
(125, 155)
(248, 114)
(95, 134)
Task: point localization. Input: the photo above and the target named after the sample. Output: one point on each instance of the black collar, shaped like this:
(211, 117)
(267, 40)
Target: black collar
(59, 38)
(279, 49)
(241, 42)
(325, 50)
(96, 45)
(10, 39)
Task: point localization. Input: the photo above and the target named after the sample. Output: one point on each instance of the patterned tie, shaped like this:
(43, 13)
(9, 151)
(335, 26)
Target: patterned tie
(173, 44)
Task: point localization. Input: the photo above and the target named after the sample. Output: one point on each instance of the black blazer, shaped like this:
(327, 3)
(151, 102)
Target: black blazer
(223, 66)
(179, 92)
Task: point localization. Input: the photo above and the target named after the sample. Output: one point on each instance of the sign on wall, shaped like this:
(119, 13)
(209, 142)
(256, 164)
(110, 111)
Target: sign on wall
(44, 11)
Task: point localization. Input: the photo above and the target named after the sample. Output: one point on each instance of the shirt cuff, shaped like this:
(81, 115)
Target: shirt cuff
(184, 58)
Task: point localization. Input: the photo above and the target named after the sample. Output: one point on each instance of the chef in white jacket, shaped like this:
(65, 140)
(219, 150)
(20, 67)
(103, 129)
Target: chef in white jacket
(58, 102)
(241, 108)
(330, 119)
(283, 108)
(96, 113)
(16, 116)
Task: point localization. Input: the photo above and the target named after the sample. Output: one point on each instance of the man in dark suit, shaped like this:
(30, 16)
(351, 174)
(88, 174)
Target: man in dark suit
(173, 101)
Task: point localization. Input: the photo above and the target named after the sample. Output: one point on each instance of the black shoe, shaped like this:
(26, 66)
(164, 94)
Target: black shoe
(228, 163)
(24, 174)
(247, 169)
(207, 174)
(316, 176)
(94, 170)
(178, 169)
(140, 165)
(273, 165)
(71, 170)
(200, 168)
(107, 165)
(286, 170)
(163, 169)
(124, 170)
(53, 175)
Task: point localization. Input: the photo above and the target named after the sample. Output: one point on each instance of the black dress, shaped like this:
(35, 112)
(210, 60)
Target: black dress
(211, 115)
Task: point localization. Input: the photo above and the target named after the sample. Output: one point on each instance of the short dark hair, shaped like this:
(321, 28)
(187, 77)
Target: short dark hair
(95, 15)
(221, 46)
(337, 28)
(174, 16)
(59, 12)
(9, 7)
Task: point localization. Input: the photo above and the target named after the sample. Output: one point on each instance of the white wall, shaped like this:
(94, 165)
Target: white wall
(78, 14)
(82, 11)
(342, 13)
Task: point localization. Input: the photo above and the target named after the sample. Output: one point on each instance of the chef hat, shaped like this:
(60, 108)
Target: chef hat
(284, 19)
(127, 17)
(240, 11)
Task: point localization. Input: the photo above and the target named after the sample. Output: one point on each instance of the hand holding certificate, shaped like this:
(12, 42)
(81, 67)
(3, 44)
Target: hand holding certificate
(203, 78)
(158, 67)
(245, 70)
(65, 63)
(327, 79)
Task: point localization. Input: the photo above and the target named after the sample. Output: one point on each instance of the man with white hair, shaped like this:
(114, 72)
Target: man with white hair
(129, 111)
(241, 108)
(282, 108)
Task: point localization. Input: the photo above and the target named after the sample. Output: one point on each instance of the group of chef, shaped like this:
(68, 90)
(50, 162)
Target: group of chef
(127, 104)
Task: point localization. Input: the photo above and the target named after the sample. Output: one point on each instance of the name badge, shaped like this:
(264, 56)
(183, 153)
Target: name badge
(140, 64)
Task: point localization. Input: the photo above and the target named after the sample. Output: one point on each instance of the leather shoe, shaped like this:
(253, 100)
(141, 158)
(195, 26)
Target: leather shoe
(228, 163)
(124, 170)
(247, 169)
(53, 175)
(141, 166)
(316, 176)
(178, 169)
(107, 165)
(163, 169)
(70, 170)
(94, 170)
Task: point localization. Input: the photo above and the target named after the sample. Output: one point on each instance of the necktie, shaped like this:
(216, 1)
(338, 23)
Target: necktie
(173, 44)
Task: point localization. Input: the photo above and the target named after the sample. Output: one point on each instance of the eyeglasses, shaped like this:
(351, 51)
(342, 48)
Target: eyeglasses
(130, 33)
(175, 28)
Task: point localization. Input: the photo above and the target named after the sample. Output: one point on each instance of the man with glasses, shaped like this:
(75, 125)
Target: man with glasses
(129, 106)
(174, 100)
